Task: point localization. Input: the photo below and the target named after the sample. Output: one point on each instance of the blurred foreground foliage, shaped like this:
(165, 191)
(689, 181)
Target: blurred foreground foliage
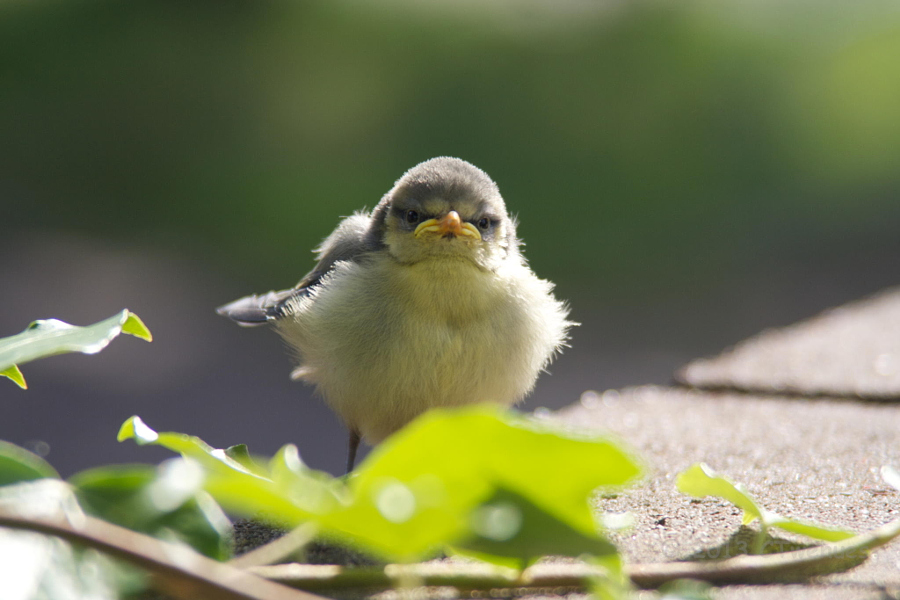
(478, 481)
(674, 141)
(470, 478)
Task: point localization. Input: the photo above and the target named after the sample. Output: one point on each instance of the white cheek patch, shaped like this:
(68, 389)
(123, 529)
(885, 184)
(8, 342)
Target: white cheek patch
(394, 239)
(500, 235)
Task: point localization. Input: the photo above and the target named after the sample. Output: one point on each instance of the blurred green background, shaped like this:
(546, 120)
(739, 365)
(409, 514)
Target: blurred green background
(686, 172)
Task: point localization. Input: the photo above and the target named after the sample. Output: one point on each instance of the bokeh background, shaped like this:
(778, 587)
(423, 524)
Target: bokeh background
(688, 173)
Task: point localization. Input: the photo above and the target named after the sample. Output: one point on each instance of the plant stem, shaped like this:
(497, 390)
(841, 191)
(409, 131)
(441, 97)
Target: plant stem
(178, 570)
(185, 574)
(796, 565)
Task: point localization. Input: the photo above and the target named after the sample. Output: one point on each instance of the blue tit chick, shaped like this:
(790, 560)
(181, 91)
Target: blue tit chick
(424, 302)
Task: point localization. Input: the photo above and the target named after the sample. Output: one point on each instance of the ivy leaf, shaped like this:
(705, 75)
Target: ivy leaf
(686, 589)
(510, 530)
(51, 337)
(167, 502)
(700, 480)
(287, 490)
(18, 464)
(41, 566)
(15, 374)
(241, 454)
(612, 583)
(134, 326)
(415, 492)
(188, 446)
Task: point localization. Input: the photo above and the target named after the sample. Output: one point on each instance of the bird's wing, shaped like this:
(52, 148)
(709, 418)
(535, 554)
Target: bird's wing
(348, 242)
(257, 309)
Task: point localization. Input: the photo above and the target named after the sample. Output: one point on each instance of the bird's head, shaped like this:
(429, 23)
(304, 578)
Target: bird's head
(446, 208)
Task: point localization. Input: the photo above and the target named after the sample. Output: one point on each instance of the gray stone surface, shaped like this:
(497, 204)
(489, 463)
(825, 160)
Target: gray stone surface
(853, 350)
(813, 459)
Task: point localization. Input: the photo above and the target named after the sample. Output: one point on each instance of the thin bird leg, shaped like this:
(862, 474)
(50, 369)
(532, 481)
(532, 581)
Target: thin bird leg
(351, 454)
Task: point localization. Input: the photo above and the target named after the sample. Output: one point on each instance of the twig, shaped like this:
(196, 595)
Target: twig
(756, 569)
(796, 565)
(463, 576)
(177, 570)
(185, 574)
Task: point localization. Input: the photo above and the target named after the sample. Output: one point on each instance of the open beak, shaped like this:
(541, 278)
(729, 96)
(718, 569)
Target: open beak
(450, 225)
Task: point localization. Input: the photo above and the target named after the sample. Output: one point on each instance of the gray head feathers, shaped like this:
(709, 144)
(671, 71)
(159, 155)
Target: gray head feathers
(448, 183)
(450, 178)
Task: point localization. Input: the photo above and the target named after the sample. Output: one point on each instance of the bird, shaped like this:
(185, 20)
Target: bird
(425, 301)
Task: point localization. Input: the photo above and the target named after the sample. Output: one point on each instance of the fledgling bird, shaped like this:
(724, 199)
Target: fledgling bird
(426, 301)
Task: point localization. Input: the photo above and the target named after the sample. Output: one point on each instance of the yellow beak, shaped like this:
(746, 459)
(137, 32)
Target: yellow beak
(450, 225)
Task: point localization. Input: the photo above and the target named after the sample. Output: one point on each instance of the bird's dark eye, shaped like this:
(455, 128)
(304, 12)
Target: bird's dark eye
(412, 216)
(484, 223)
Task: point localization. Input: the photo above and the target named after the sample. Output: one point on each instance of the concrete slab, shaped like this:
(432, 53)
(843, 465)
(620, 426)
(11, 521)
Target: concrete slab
(812, 459)
(853, 350)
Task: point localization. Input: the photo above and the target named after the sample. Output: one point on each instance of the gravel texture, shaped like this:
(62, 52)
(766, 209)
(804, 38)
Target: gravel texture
(811, 459)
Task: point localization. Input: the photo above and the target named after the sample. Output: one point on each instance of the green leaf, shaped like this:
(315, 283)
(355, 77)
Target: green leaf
(135, 428)
(700, 480)
(810, 530)
(686, 589)
(256, 497)
(314, 491)
(50, 337)
(18, 464)
(187, 445)
(15, 374)
(288, 491)
(241, 454)
(43, 566)
(415, 492)
(508, 526)
(613, 583)
(167, 502)
(134, 326)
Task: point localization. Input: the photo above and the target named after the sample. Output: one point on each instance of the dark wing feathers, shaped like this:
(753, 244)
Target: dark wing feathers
(258, 310)
(350, 240)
